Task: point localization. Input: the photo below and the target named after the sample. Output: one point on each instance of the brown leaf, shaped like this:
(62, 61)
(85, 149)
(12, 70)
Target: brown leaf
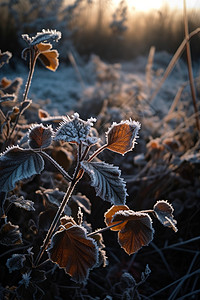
(72, 250)
(109, 216)
(121, 137)
(137, 231)
(42, 114)
(50, 59)
(5, 82)
(42, 47)
(40, 136)
(164, 213)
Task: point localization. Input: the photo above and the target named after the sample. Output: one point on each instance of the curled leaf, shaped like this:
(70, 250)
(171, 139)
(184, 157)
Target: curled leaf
(164, 213)
(121, 137)
(72, 250)
(17, 164)
(40, 136)
(109, 216)
(106, 180)
(50, 59)
(4, 57)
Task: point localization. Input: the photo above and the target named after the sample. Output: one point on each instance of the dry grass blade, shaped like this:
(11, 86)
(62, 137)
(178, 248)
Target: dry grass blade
(149, 67)
(189, 64)
(173, 61)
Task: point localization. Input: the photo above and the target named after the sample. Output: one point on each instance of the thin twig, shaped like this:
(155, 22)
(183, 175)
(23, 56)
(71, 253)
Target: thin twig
(189, 64)
(174, 282)
(104, 229)
(58, 167)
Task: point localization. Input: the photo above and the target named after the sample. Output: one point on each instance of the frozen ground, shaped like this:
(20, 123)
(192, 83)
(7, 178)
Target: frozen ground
(61, 91)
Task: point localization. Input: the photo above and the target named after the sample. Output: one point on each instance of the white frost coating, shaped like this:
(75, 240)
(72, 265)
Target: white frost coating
(42, 37)
(26, 277)
(131, 213)
(74, 129)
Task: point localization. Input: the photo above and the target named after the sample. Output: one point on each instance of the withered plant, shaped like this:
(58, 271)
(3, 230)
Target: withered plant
(69, 242)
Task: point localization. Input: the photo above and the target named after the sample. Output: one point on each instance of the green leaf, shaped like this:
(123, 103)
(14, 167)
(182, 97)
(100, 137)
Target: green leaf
(106, 180)
(17, 164)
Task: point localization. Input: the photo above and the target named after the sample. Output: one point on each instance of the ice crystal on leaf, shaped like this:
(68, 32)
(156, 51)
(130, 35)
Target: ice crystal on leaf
(42, 37)
(26, 278)
(74, 130)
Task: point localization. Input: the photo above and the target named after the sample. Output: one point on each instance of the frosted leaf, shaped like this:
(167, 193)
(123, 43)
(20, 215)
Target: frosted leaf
(55, 197)
(72, 250)
(106, 180)
(121, 137)
(22, 203)
(164, 212)
(16, 262)
(40, 136)
(137, 231)
(74, 130)
(42, 37)
(7, 97)
(127, 280)
(10, 235)
(26, 278)
(4, 57)
(17, 164)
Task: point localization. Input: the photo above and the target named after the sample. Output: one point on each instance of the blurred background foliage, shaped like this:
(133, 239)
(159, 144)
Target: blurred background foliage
(97, 26)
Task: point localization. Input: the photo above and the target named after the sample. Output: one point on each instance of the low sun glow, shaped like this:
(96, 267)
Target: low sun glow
(146, 5)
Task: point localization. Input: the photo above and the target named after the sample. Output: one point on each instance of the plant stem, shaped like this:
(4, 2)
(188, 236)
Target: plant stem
(97, 152)
(104, 229)
(55, 220)
(60, 169)
(77, 176)
(189, 64)
(33, 59)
